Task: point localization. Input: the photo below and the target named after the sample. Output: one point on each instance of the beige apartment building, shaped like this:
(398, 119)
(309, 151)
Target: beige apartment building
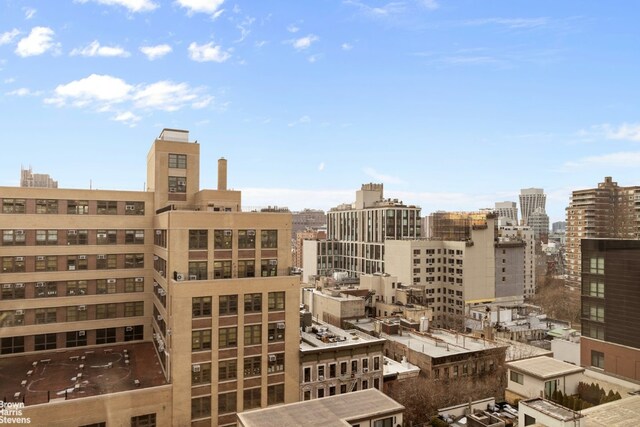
(182, 268)
(607, 211)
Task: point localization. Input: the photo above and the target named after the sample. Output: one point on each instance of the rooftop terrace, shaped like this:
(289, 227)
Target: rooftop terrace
(322, 335)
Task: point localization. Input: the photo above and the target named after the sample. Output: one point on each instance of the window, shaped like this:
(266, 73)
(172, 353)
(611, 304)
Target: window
(134, 261)
(200, 407)
(227, 403)
(201, 306)
(134, 237)
(106, 311)
(320, 372)
(252, 366)
(13, 265)
(177, 161)
(251, 398)
(332, 390)
(77, 207)
(47, 263)
(12, 206)
(76, 338)
(228, 337)
(276, 301)
(198, 239)
(332, 370)
(593, 331)
(354, 366)
(76, 313)
(106, 237)
(106, 286)
(134, 208)
(596, 265)
(252, 334)
(105, 336)
(133, 333)
(198, 270)
(201, 373)
(343, 388)
(222, 269)
(12, 291)
(47, 237)
(252, 303)
(201, 340)
(222, 239)
(148, 420)
(228, 305)
(276, 332)
(376, 383)
(177, 184)
(597, 359)
(134, 284)
(160, 238)
(596, 288)
(45, 342)
(593, 311)
(246, 239)
(13, 238)
(269, 267)
(275, 394)
(365, 364)
(269, 239)
(11, 318)
(11, 345)
(46, 315)
(246, 268)
(385, 422)
(307, 375)
(276, 363)
(107, 207)
(516, 377)
(74, 237)
(343, 368)
(227, 369)
(135, 308)
(76, 262)
(109, 261)
(46, 206)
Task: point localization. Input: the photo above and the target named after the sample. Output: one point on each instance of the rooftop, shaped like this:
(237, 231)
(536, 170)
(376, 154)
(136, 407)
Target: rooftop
(624, 412)
(442, 343)
(327, 411)
(77, 373)
(402, 369)
(552, 409)
(544, 367)
(322, 335)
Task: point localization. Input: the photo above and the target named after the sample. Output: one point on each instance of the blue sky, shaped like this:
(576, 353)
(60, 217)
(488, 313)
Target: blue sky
(452, 104)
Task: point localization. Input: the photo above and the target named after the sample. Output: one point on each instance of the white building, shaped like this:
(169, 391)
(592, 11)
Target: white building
(508, 210)
(530, 200)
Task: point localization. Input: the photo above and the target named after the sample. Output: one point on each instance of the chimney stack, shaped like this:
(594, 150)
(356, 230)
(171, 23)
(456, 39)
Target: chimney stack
(222, 174)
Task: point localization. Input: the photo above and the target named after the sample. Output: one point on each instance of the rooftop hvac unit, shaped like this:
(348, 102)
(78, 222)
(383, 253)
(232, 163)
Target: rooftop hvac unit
(195, 368)
(19, 312)
(39, 258)
(280, 325)
(111, 280)
(179, 277)
(139, 279)
(81, 333)
(272, 358)
(82, 307)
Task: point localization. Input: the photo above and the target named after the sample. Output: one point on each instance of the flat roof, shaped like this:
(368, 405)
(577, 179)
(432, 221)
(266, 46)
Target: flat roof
(624, 412)
(73, 373)
(326, 411)
(391, 367)
(551, 409)
(544, 367)
(329, 336)
(442, 343)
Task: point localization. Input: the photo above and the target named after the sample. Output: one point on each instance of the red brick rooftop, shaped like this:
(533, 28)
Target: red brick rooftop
(79, 372)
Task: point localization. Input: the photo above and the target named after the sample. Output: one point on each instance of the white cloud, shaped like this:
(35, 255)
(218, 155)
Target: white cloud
(626, 131)
(131, 5)
(95, 49)
(293, 29)
(207, 53)
(346, 46)
(429, 4)
(304, 42)
(260, 43)
(314, 58)
(209, 7)
(203, 103)
(512, 23)
(164, 95)
(155, 52)
(9, 80)
(610, 161)
(96, 88)
(29, 12)
(387, 179)
(389, 9)
(244, 28)
(23, 91)
(7, 37)
(127, 117)
(302, 120)
(321, 166)
(39, 40)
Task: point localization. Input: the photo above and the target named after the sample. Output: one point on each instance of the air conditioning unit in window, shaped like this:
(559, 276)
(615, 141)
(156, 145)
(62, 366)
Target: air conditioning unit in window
(7, 286)
(102, 235)
(82, 307)
(251, 232)
(272, 358)
(320, 377)
(158, 232)
(19, 312)
(182, 183)
(193, 277)
(111, 280)
(19, 232)
(19, 258)
(102, 257)
(195, 368)
(130, 208)
(155, 257)
(365, 370)
(40, 285)
(179, 277)
(72, 232)
(273, 262)
(39, 258)
(82, 257)
(280, 325)
(227, 232)
(172, 189)
(139, 279)
(19, 285)
(81, 333)
(128, 328)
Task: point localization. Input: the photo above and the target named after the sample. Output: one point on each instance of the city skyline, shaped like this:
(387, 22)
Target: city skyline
(453, 106)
